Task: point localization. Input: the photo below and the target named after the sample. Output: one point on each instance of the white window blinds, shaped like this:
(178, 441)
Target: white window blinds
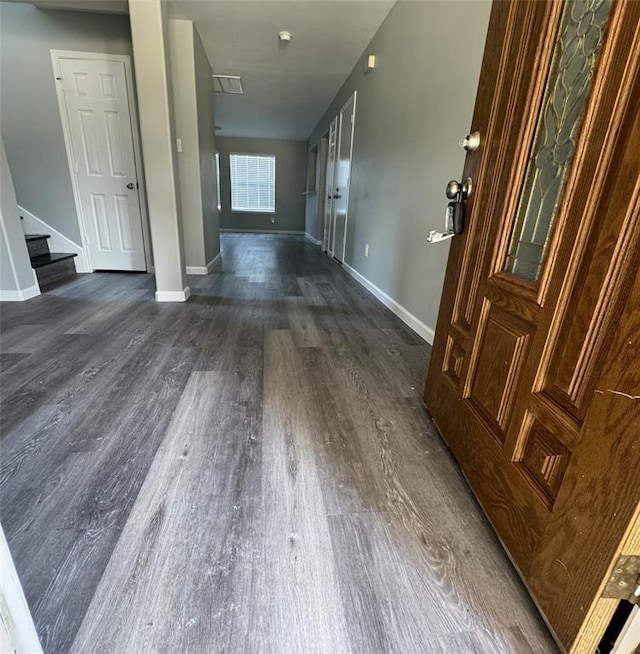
(253, 182)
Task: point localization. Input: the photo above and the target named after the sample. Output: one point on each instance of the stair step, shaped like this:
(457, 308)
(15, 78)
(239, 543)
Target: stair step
(54, 269)
(47, 259)
(37, 244)
(36, 237)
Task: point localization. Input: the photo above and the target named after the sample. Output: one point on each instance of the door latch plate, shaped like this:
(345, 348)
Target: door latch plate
(624, 583)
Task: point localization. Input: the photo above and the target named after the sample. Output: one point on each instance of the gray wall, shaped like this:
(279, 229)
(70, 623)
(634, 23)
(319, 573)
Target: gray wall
(193, 102)
(29, 114)
(291, 177)
(16, 273)
(411, 112)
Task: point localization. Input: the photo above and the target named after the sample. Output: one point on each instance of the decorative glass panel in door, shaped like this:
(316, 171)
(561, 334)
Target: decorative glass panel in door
(567, 90)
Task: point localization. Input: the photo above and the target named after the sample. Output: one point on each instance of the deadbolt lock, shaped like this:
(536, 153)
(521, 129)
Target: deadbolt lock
(471, 142)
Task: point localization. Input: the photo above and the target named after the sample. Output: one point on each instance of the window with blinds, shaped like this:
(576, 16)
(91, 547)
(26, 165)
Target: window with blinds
(253, 182)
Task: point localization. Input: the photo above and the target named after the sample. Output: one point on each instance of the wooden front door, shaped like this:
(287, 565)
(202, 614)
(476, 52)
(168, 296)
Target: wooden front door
(535, 373)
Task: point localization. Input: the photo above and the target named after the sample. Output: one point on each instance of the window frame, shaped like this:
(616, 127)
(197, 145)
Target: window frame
(218, 183)
(269, 211)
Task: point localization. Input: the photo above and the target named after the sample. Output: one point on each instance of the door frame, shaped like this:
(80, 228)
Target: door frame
(630, 634)
(330, 175)
(353, 96)
(56, 57)
(321, 187)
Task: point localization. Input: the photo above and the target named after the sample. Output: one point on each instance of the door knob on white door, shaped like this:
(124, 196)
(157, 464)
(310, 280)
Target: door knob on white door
(131, 185)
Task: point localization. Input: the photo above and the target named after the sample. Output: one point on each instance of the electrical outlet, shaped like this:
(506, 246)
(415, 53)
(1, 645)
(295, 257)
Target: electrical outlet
(366, 250)
(273, 220)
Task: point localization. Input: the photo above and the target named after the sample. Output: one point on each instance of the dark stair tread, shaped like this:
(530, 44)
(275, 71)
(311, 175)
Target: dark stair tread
(36, 237)
(53, 257)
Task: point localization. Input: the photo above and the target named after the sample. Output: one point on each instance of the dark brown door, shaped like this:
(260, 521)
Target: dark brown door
(535, 374)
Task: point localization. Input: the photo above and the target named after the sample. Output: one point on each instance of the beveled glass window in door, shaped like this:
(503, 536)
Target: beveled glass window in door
(568, 85)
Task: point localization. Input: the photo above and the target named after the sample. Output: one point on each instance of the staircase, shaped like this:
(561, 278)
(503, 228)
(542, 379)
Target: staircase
(52, 268)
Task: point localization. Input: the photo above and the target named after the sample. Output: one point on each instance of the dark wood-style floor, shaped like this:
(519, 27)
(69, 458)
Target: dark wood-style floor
(253, 471)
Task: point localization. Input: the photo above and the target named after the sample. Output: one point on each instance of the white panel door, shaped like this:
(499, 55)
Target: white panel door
(342, 178)
(97, 107)
(330, 174)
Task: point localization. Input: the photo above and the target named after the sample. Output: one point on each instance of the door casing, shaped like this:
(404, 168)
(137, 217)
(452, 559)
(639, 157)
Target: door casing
(330, 173)
(321, 190)
(344, 192)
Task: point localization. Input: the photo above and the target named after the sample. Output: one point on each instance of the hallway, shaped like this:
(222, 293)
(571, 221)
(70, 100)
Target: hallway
(252, 471)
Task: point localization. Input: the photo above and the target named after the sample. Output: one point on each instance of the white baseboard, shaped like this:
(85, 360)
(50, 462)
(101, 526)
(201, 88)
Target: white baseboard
(263, 231)
(173, 296)
(21, 295)
(406, 316)
(203, 270)
(58, 242)
(315, 241)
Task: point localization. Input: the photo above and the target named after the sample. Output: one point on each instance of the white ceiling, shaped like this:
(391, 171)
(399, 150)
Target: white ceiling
(287, 88)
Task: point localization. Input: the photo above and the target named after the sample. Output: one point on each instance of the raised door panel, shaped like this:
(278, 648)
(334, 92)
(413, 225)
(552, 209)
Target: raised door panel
(590, 315)
(502, 350)
(88, 146)
(543, 459)
(100, 219)
(115, 144)
(454, 360)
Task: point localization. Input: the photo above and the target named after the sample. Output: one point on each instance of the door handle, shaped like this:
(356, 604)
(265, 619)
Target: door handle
(454, 216)
(460, 192)
(131, 185)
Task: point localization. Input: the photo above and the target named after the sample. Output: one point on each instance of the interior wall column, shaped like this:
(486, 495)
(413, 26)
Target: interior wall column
(157, 131)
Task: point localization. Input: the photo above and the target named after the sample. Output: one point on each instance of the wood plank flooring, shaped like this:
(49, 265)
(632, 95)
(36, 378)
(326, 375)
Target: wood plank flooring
(252, 471)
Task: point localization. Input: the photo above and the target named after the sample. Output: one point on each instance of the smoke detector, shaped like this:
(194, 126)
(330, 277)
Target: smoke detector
(285, 36)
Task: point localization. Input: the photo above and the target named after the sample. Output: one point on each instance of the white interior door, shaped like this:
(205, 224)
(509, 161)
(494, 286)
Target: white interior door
(330, 173)
(342, 177)
(96, 103)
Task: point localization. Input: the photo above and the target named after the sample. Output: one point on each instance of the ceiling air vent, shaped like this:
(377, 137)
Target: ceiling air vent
(227, 84)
